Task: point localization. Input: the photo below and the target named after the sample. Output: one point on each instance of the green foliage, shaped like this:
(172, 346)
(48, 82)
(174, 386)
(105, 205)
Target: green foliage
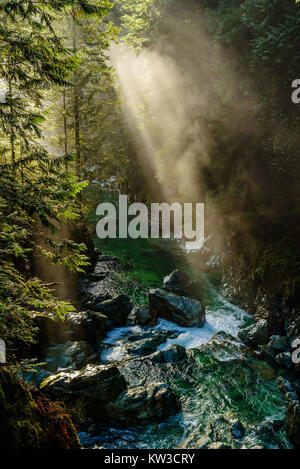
(35, 188)
(62, 95)
(107, 152)
(31, 188)
(250, 178)
(260, 179)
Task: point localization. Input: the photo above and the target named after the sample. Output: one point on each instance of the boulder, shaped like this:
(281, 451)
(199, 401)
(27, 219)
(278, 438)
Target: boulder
(97, 385)
(267, 431)
(284, 359)
(278, 343)
(293, 325)
(174, 354)
(177, 281)
(116, 309)
(237, 430)
(89, 301)
(87, 325)
(77, 355)
(143, 405)
(287, 389)
(256, 334)
(147, 343)
(183, 311)
(77, 326)
(28, 420)
(293, 424)
(222, 337)
(140, 315)
(277, 350)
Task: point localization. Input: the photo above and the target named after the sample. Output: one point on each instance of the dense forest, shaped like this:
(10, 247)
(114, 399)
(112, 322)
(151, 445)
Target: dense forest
(163, 100)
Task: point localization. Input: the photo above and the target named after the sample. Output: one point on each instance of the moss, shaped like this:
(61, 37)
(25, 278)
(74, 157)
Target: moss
(28, 420)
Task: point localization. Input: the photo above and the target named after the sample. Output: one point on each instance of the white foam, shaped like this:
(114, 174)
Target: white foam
(113, 354)
(224, 317)
(189, 337)
(114, 336)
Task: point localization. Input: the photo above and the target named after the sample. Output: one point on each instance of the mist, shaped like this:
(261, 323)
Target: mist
(171, 94)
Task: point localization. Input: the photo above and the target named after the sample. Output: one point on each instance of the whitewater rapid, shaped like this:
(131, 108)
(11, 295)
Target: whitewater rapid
(223, 316)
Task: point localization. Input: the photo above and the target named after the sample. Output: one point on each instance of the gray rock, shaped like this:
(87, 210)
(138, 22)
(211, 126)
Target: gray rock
(69, 356)
(77, 355)
(177, 281)
(284, 359)
(174, 354)
(87, 325)
(140, 315)
(287, 389)
(256, 334)
(183, 311)
(278, 343)
(90, 301)
(117, 309)
(222, 336)
(147, 343)
(97, 384)
(237, 430)
(143, 405)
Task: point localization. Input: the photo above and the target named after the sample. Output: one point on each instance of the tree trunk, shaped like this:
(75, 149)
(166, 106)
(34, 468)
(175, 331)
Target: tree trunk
(76, 111)
(12, 135)
(65, 124)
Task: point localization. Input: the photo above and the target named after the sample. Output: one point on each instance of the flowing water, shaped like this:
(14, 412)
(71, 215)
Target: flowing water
(218, 383)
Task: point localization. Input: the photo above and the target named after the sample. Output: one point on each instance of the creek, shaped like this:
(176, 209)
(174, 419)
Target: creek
(222, 386)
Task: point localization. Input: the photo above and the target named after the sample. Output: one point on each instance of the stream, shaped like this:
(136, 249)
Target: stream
(229, 395)
(219, 384)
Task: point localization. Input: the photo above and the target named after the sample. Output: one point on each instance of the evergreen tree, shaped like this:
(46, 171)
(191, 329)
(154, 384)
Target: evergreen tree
(34, 185)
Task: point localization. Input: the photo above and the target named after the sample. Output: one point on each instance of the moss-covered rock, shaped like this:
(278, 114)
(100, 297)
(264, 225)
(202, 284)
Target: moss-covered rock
(28, 420)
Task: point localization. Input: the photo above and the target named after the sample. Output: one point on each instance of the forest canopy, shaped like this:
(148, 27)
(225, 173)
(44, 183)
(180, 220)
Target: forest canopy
(222, 127)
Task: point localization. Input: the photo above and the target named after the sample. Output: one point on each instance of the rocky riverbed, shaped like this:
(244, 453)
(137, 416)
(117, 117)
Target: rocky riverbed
(171, 373)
